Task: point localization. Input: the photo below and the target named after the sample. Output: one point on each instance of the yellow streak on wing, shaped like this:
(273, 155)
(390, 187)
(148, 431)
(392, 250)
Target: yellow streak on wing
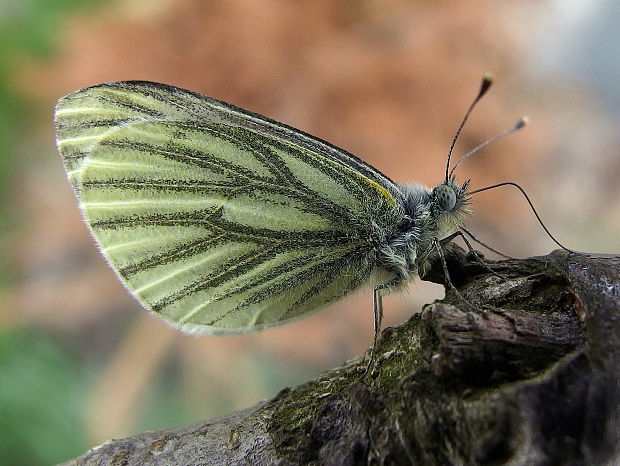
(384, 192)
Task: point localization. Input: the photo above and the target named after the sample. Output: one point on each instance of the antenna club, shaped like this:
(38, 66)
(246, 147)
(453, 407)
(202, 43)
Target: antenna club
(488, 76)
(522, 122)
(487, 80)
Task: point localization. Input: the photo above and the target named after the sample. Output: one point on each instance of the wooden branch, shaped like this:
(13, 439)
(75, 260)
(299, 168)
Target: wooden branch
(527, 371)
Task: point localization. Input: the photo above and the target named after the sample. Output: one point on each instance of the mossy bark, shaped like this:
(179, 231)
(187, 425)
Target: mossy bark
(525, 370)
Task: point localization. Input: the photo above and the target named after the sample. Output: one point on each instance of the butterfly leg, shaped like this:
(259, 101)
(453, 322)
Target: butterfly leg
(446, 274)
(447, 239)
(377, 307)
(471, 235)
(471, 249)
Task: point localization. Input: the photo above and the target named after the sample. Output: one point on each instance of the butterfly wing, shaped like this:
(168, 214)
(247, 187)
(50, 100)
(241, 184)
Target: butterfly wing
(217, 219)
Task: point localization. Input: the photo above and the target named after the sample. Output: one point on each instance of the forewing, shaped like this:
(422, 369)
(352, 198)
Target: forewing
(217, 219)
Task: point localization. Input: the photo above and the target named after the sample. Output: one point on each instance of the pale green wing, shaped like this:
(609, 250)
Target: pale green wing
(217, 219)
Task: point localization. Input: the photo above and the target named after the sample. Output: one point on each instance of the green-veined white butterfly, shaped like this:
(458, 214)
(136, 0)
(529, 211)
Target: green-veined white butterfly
(223, 221)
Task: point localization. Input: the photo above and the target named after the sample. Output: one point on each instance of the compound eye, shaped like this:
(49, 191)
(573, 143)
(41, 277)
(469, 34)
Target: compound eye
(446, 197)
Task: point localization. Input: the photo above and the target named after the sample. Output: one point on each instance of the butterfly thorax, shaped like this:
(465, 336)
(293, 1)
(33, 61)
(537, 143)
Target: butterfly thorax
(428, 215)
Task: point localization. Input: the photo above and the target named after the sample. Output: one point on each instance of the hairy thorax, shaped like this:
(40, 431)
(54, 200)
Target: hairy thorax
(410, 247)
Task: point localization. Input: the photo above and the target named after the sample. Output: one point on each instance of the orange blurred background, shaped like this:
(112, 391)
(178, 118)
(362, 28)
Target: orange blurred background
(386, 80)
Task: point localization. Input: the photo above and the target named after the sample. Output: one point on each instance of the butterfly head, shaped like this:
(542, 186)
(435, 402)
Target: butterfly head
(450, 204)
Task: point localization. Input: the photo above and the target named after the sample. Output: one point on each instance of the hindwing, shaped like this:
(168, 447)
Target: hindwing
(215, 218)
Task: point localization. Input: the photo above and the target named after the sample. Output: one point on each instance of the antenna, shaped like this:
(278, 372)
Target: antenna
(487, 80)
(520, 124)
(509, 183)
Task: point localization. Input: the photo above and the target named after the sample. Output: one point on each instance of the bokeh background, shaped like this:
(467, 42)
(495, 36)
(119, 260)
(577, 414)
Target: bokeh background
(80, 362)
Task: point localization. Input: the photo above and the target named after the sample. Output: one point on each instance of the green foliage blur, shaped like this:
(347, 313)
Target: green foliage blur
(40, 383)
(26, 29)
(40, 396)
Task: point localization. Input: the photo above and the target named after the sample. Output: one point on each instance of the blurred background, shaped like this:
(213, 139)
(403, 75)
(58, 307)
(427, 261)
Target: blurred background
(81, 363)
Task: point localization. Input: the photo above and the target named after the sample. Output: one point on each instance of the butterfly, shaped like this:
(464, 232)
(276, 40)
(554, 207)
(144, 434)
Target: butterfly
(223, 221)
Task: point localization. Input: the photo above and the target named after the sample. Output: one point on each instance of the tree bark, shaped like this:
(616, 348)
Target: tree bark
(522, 369)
